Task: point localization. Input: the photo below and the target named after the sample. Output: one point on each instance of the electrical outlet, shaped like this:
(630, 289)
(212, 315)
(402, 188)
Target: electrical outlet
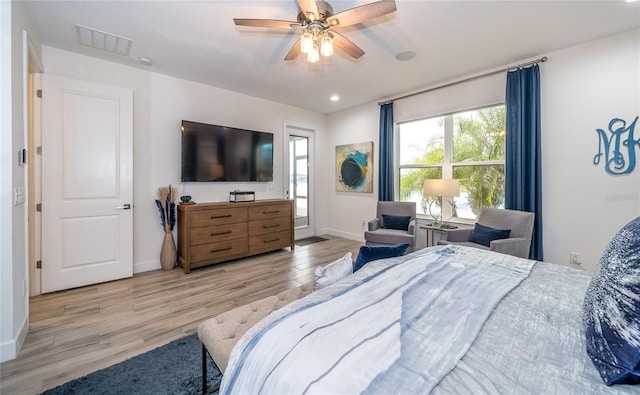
(575, 258)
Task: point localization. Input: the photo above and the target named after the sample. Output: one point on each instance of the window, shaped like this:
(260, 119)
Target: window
(468, 146)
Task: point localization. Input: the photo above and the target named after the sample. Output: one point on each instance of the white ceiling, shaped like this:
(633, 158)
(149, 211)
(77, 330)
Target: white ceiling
(198, 41)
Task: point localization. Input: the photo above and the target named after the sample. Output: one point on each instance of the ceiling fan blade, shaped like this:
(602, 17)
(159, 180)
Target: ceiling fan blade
(266, 23)
(309, 7)
(346, 45)
(362, 13)
(294, 51)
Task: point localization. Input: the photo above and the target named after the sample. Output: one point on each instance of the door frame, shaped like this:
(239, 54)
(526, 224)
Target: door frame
(33, 69)
(295, 130)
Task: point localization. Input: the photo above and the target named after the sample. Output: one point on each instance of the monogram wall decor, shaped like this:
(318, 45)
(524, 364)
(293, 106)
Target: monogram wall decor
(618, 147)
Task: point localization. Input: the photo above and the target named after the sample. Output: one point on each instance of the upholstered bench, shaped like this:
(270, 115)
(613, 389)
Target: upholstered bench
(220, 334)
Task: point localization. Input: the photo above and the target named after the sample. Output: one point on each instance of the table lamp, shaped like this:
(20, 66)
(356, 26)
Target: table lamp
(440, 188)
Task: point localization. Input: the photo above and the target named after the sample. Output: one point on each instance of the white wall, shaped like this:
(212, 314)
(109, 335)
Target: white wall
(348, 210)
(14, 309)
(582, 89)
(160, 103)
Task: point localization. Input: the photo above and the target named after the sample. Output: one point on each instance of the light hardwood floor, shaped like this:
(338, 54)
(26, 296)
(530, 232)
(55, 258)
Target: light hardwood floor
(76, 332)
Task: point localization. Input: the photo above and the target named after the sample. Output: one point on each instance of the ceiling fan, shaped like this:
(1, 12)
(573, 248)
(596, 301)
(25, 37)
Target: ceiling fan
(317, 22)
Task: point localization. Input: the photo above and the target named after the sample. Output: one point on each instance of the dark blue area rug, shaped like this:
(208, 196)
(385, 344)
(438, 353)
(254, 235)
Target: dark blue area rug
(175, 368)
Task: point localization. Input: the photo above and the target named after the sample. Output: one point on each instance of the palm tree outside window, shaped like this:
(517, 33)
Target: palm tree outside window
(468, 146)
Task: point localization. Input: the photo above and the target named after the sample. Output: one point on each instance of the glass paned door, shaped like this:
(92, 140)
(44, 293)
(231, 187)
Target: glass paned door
(299, 179)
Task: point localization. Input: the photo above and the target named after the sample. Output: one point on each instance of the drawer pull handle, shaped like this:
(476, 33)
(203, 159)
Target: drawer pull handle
(221, 249)
(271, 212)
(221, 233)
(221, 216)
(272, 240)
(270, 226)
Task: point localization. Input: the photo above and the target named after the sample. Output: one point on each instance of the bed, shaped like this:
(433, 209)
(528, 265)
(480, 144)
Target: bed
(442, 320)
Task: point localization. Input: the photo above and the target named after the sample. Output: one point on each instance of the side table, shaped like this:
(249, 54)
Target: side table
(436, 233)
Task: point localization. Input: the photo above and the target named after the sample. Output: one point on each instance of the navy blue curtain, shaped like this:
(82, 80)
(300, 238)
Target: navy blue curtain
(522, 162)
(385, 179)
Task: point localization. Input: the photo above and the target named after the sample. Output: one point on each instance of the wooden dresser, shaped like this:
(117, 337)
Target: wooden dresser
(218, 232)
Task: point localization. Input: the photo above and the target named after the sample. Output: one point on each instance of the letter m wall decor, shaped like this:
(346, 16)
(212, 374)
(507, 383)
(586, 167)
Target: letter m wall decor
(618, 147)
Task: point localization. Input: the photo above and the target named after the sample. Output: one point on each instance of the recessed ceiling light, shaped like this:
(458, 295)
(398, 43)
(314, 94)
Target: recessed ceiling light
(144, 60)
(335, 98)
(630, 1)
(406, 55)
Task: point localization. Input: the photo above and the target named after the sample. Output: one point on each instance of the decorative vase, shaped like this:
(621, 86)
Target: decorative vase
(168, 254)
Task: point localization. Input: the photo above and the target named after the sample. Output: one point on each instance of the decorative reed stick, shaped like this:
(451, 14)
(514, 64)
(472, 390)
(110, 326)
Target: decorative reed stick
(166, 203)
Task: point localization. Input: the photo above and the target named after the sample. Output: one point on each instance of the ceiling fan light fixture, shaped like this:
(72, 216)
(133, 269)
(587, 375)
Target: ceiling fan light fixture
(306, 43)
(317, 21)
(314, 55)
(326, 45)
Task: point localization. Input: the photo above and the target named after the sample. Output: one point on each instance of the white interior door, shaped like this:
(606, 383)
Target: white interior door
(87, 176)
(299, 172)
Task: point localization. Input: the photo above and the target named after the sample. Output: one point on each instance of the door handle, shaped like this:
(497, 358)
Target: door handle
(126, 206)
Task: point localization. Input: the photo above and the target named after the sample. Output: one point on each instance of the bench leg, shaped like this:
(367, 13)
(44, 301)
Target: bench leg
(204, 370)
(206, 390)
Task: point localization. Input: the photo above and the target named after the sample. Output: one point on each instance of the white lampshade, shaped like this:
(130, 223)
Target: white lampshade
(441, 187)
(306, 42)
(326, 46)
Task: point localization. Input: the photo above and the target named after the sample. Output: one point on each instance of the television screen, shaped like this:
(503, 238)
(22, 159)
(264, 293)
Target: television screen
(221, 153)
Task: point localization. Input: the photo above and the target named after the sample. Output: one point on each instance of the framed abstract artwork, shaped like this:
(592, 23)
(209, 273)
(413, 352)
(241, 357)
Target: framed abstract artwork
(354, 167)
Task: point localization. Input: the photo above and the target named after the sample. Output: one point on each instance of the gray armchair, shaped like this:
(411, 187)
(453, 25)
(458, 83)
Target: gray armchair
(379, 233)
(519, 222)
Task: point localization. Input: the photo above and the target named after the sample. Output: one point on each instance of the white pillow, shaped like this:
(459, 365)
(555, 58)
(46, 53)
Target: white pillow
(337, 270)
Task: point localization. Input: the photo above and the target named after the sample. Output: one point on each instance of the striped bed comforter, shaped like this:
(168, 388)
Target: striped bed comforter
(396, 326)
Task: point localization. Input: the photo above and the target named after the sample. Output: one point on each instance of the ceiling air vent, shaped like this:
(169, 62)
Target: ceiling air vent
(102, 40)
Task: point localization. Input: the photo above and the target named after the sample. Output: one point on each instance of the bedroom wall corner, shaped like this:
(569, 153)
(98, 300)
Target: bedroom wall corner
(16, 26)
(583, 88)
(160, 103)
(347, 210)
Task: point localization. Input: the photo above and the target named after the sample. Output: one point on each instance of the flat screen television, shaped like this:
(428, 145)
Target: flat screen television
(222, 153)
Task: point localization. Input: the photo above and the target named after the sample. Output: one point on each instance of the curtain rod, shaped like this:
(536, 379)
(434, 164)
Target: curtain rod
(531, 63)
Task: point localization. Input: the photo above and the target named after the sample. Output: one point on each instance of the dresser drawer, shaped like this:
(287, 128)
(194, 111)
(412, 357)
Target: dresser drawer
(210, 233)
(270, 242)
(270, 211)
(268, 226)
(216, 251)
(213, 234)
(218, 216)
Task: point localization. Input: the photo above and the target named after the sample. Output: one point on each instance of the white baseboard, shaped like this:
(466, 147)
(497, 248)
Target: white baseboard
(9, 349)
(147, 266)
(346, 235)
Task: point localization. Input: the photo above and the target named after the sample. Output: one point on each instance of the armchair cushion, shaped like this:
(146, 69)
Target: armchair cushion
(516, 246)
(373, 224)
(485, 235)
(390, 225)
(375, 252)
(458, 235)
(491, 222)
(399, 222)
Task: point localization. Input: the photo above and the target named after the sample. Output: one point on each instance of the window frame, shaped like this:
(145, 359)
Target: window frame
(448, 164)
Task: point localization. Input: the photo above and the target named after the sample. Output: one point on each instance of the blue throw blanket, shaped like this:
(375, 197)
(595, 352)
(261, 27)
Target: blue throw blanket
(398, 325)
